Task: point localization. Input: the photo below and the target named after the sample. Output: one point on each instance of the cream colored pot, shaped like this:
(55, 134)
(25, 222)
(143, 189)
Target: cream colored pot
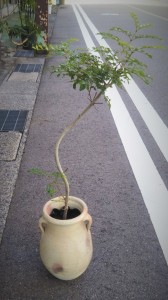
(66, 245)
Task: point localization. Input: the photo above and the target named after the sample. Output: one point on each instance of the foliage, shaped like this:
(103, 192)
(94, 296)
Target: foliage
(128, 49)
(53, 177)
(99, 68)
(3, 25)
(87, 70)
(29, 29)
(26, 26)
(26, 10)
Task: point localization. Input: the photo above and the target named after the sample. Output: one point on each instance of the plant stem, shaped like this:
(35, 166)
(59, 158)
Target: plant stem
(65, 131)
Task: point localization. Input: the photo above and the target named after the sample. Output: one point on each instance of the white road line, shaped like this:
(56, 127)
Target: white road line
(151, 185)
(153, 121)
(86, 35)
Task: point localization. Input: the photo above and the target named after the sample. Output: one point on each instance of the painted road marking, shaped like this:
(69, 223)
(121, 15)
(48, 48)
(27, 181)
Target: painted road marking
(153, 190)
(151, 185)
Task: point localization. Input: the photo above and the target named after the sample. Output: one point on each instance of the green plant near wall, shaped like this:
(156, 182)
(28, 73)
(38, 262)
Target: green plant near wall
(26, 9)
(26, 31)
(3, 25)
(97, 70)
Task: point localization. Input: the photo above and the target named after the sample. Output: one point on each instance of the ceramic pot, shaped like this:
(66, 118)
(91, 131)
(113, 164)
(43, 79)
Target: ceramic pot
(66, 245)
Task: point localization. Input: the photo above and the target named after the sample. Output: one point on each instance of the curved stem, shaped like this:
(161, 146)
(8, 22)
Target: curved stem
(65, 131)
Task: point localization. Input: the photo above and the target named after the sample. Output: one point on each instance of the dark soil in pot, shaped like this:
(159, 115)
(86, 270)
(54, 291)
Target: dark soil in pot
(58, 213)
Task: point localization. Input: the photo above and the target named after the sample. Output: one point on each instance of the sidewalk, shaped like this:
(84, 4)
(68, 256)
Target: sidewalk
(17, 92)
(127, 262)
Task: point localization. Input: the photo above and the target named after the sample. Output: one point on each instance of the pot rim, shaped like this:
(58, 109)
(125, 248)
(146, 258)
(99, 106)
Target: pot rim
(77, 203)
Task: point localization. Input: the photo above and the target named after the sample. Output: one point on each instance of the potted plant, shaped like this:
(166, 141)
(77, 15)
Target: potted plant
(25, 32)
(49, 6)
(66, 245)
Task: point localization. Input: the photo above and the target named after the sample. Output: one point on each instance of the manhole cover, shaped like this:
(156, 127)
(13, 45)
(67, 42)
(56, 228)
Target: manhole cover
(24, 53)
(27, 68)
(12, 120)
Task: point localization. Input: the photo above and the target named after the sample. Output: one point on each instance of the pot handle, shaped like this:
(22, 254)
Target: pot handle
(88, 221)
(42, 224)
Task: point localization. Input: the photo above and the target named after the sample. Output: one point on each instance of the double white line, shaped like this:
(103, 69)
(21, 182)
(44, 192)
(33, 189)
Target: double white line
(151, 185)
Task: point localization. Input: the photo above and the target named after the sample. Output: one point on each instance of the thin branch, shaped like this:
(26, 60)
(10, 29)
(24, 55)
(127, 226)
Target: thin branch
(65, 131)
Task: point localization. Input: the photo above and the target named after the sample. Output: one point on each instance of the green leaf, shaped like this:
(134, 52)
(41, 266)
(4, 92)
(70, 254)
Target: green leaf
(107, 100)
(37, 171)
(82, 85)
(50, 190)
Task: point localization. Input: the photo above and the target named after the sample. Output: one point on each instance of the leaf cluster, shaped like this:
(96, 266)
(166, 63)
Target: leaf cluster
(3, 25)
(88, 71)
(97, 69)
(127, 47)
(100, 68)
(52, 177)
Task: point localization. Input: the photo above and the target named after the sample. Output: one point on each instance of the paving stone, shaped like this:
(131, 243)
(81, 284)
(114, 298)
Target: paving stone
(19, 87)
(30, 60)
(18, 76)
(9, 144)
(19, 101)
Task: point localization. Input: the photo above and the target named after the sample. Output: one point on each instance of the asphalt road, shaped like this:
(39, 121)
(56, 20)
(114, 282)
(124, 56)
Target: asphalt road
(116, 162)
(143, 118)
